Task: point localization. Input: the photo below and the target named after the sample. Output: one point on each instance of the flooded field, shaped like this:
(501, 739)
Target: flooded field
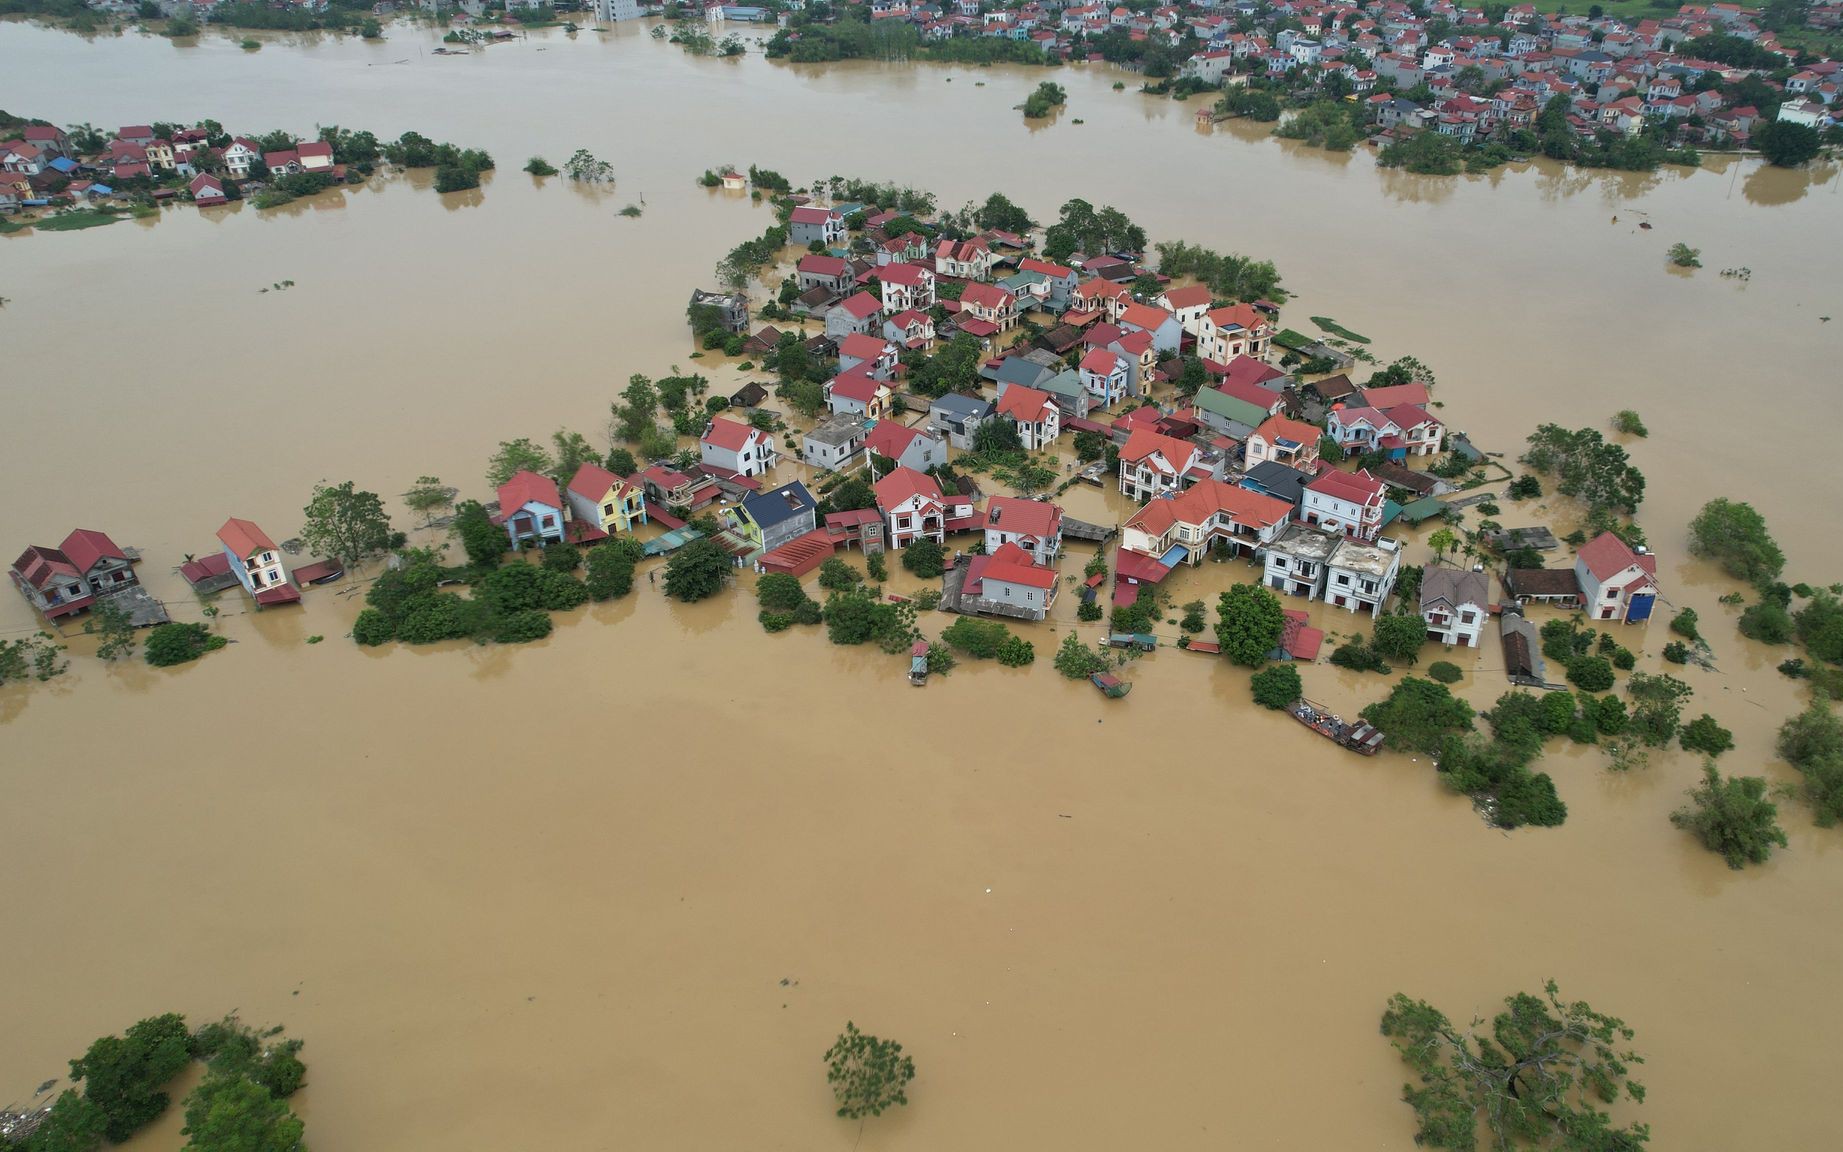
(622, 887)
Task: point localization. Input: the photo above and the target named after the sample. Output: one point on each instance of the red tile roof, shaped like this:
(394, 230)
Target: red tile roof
(1205, 499)
(888, 438)
(906, 275)
(1250, 394)
(1010, 564)
(316, 148)
(527, 488)
(1606, 556)
(594, 482)
(1395, 394)
(1144, 316)
(85, 548)
(856, 384)
(730, 435)
(1053, 271)
(810, 215)
(860, 346)
(1101, 362)
(1282, 428)
(1023, 403)
(861, 305)
(1037, 518)
(988, 296)
(1356, 487)
(822, 265)
(1237, 316)
(904, 484)
(1143, 442)
(244, 539)
(1179, 298)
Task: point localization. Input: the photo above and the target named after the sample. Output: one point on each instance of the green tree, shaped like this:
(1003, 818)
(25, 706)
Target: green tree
(1820, 625)
(868, 1074)
(1442, 541)
(1587, 467)
(345, 523)
(697, 571)
(114, 624)
(924, 558)
(1076, 660)
(1590, 673)
(572, 452)
(980, 639)
(1540, 1077)
(1399, 637)
(485, 541)
(995, 437)
(1704, 735)
(1277, 686)
(779, 592)
(170, 644)
(1732, 817)
(515, 456)
(610, 567)
(1657, 706)
(427, 497)
(639, 406)
(1734, 535)
(999, 212)
(74, 1124)
(125, 1076)
(1785, 144)
(233, 1114)
(1420, 716)
(1249, 624)
(1047, 98)
(1812, 742)
(621, 462)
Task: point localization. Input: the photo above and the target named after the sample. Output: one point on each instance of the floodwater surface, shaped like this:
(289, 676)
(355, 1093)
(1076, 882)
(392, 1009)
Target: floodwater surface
(620, 888)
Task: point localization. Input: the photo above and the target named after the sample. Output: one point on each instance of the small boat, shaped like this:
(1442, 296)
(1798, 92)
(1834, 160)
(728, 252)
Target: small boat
(1143, 641)
(1360, 737)
(918, 664)
(1111, 687)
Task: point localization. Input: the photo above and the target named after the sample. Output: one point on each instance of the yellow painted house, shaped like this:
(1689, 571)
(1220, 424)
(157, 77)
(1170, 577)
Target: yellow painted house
(602, 504)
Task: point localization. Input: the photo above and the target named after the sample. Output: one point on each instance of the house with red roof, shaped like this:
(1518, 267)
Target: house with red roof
(1618, 582)
(530, 509)
(315, 156)
(257, 562)
(914, 508)
(62, 581)
(602, 503)
(859, 312)
(905, 287)
(1032, 525)
(991, 304)
(680, 493)
(1063, 281)
(1008, 582)
(1189, 305)
(855, 392)
(1154, 465)
(876, 356)
(1161, 325)
(241, 156)
(964, 259)
(1107, 376)
(816, 270)
(1282, 440)
(1238, 330)
(206, 190)
(1035, 414)
(47, 138)
(913, 330)
(1344, 503)
(1099, 295)
(737, 449)
(1394, 394)
(286, 162)
(141, 134)
(808, 224)
(916, 447)
(1184, 527)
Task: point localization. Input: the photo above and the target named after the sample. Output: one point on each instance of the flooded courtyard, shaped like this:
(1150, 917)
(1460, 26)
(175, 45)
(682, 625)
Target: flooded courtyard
(622, 887)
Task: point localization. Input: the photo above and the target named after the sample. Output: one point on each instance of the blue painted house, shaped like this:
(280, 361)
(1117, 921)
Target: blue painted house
(530, 510)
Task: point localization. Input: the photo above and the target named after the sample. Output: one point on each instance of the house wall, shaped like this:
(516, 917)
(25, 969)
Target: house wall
(1033, 600)
(539, 530)
(266, 573)
(1042, 551)
(1292, 576)
(1457, 630)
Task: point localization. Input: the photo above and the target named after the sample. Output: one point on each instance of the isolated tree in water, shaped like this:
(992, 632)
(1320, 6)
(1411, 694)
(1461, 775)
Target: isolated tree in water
(867, 1074)
(346, 523)
(1539, 1079)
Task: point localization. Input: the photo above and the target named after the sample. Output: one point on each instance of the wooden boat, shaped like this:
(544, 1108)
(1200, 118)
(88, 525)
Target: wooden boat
(918, 664)
(1111, 687)
(1144, 641)
(1360, 737)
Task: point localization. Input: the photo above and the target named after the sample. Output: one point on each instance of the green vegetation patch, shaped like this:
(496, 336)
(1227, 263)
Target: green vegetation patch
(1336, 329)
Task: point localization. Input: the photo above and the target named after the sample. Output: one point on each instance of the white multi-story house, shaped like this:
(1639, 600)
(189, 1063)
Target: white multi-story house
(914, 508)
(1034, 412)
(1032, 525)
(1345, 572)
(1455, 603)
(1344, 503)
(1154, 465)
(906, 286)
(738, 448)
(1618, 582)
(1107, 376)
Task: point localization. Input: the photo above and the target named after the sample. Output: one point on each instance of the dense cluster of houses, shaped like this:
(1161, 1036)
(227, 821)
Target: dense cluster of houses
(1616, 73)
(42, 167)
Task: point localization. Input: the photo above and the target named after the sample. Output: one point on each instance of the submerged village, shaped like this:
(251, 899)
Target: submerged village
(926, 386)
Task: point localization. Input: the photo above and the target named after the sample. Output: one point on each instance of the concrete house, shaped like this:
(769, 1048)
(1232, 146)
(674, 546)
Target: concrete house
(1455, 602)
(1062, 281)
(530, 509)
(1238, 330)
(732, 308)
(257, 562)
(914, 508)
(1281, 440)
(1008, 582)
(857, 314)
(912, 330)
(905, 287)
(67, 579)
(602, 503)
(836, 443)
(877, 357)
(682, 493)
(1154, 465)
(956, 417)
(807, 224)
(909, 447)
(829, 272)
(1347, 573)
(855, 392)
(1618, 582)
(240, 157)
(1230, 415)
(1035, 413)
(1161, 325)
(1344, 503)
(991, 304)
(1190, 305)
(1186, 526)
(1032, 525)
(964, 259)
(736, 448)
(1107, 376)
(768, 520)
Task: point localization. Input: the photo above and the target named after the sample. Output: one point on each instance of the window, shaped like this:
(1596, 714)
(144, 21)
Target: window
(1343, 580)
(268, 557)
(902, 521)
(1467, 617)
(607, 509)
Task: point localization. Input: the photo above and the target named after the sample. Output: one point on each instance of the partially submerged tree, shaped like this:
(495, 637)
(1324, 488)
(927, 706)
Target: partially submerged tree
(1540, 1078)
(1249, 624)
(697, 571)
(868, 1074)
(346, 523)
(1732, 816)
(1734, 535)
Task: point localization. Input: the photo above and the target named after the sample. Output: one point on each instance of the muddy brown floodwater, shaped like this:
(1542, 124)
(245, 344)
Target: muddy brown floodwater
(621, 887)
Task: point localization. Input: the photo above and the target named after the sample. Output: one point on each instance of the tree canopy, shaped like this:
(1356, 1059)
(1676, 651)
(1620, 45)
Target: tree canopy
(867, 1073)
(1734, 535)
(1587, 467)
(1419, 716)
(1731, 816)
(1542, 1076)
(1081, 228)
(697, 571)
(346, 523)
(1249, 624)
